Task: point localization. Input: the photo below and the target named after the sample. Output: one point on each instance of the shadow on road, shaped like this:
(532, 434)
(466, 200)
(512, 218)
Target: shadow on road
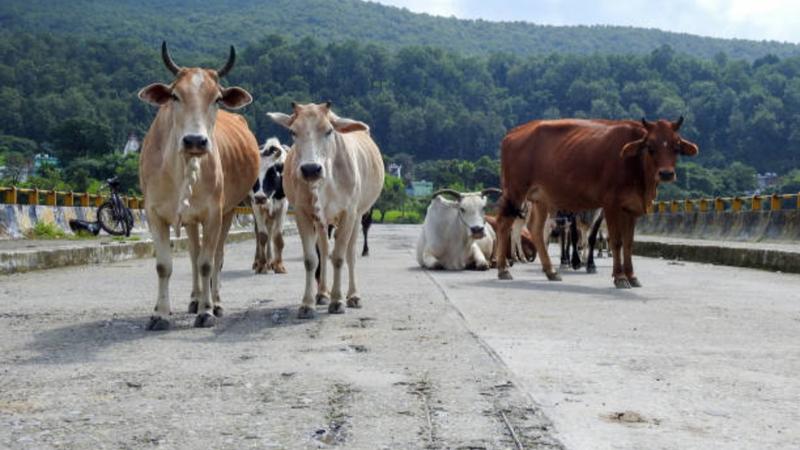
(82, 342)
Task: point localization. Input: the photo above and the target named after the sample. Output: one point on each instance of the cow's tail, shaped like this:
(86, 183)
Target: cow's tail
(191, 173)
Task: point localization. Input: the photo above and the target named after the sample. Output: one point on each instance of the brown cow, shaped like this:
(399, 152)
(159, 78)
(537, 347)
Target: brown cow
(528, 249)
(575, 165)
(197, 164)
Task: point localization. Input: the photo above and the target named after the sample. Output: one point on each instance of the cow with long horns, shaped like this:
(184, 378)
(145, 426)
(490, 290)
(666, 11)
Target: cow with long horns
(577, 165)
(197, 163)
(455, 235)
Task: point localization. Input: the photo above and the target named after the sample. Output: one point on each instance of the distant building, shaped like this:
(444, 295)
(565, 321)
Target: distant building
(766, 181)
(395, 170)
(421, 188)
(133, 144)
(43, 159)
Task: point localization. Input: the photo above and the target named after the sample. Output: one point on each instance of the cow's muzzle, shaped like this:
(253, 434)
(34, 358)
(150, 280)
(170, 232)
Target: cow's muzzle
(311, 171)
(477, 232)
(195, 145)
(260, 199)
(666, 175)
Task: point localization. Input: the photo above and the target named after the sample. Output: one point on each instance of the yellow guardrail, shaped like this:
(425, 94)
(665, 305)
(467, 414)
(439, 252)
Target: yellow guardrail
(774, 202)
(34, 196)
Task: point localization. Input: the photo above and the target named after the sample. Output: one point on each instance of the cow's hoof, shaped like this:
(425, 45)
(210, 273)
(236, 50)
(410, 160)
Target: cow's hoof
(255, 265)
(504, 275)
(354, 302)
(591, 269)
(261, 269)
(205, 320)
(634, 282)
(323, 299)
(482, 267)
(278, 268)
(365, 253)
(553, 276)
(622, 283)
(219, 311)
(306, 312)
(193, 307)
(336, 308)
(158, 323)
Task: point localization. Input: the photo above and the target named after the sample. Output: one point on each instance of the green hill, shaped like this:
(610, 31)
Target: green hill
(206, 26)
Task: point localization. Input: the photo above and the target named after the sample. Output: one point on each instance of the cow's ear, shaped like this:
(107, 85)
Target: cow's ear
(348, 125)
(282, 119)
(688, 148)
(632, 148)
(156, 94)
(235, 98)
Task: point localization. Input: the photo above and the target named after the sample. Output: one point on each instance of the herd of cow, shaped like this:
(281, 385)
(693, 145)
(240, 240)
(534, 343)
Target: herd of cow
(199, 162)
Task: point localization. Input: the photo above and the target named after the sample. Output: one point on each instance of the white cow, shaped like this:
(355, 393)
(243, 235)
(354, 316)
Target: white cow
(455, 235)
(332, 176)
(269, 208)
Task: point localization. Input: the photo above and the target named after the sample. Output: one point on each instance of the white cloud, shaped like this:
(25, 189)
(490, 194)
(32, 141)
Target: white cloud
(746, 19)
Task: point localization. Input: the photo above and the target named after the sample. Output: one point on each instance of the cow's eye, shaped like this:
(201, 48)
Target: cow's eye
(292, 132)
(329, 132)
(174, 97)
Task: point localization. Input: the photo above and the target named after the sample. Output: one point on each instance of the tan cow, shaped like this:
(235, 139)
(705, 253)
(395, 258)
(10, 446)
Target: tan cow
(332, 176)
(197, 164)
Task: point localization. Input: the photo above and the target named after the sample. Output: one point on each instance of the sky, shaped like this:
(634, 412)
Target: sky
(777, 20)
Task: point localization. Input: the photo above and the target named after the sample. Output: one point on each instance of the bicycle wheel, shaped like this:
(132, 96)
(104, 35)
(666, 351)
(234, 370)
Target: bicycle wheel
(109, 221)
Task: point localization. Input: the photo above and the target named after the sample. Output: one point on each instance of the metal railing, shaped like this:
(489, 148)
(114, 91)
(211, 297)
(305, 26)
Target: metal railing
(34, 196)
(774, 202)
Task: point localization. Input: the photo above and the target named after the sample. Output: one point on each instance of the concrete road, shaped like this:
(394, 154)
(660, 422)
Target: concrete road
(701, 357)
(78, 371)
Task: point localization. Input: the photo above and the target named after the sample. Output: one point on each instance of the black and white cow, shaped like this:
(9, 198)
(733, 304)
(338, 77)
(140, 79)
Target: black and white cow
(269, 208)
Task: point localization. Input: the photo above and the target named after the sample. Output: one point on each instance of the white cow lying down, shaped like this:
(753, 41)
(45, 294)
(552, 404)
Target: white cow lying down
(455, 235)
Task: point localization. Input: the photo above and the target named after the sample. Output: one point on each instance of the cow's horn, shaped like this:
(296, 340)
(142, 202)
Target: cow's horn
(488, 191)
(228, 65)
(174, 68)
(677, 125)
(452, 192)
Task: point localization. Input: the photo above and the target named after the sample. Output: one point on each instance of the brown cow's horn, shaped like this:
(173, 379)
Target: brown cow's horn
(488, 191)
(228, 65)
(677, 125)
(174, 68)
(448, 191)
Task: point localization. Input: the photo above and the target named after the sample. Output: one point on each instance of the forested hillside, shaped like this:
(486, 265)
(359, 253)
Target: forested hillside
(205, 26)
(423, 101)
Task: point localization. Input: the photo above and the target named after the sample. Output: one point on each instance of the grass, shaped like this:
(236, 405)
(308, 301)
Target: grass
(46, 230)
(395, 216)
(51, 231)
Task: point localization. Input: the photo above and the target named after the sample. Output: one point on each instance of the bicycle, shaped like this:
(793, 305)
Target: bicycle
(113, 215)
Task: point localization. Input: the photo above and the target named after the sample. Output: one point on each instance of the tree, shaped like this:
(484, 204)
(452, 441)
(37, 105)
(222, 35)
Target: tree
(17, 165)
(80, 137)
(393, 195)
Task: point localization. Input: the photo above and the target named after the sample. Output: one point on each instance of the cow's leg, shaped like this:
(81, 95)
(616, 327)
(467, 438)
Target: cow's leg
(476, 260)
(211, 232)
(219, 260)
(323, 294)
(537, 235)
(344, 233)
(308, 237)
(255, 233)
(614, 222)
(504, 224)
(262, 238)
(193, 236)
(160, 232)
(574, 237)
(277, 240)
(270, 255)
(629, 226)
(590, 266)
(353, 299)
(366, 222)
